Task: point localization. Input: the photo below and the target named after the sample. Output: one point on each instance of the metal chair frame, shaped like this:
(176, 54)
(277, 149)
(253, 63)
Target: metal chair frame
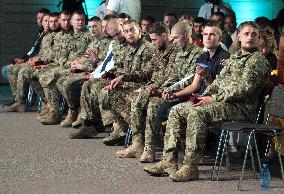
(251, 130)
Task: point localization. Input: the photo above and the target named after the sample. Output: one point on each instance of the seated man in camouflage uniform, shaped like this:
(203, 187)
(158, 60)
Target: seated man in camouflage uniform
(90, 113)
(72, 46)
(233, 95)
(28, 68)
(134, 56)
(144, 106)
(95, 27)
(203, 77)
(70, 86)
(14, 68)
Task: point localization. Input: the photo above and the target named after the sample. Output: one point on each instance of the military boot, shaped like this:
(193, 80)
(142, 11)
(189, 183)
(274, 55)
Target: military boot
(18, 106)
(160, 168)
(78, 123)
(148, 155)
(116, 137)
(70, 118)
(86, 131)
(52, 117)
(185, 173)
(44, 110)
(134, 150)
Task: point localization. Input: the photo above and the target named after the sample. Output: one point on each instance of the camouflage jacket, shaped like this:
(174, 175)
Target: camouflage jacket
(241, 80)
(96, 45)
(134, 61)
(77, 46)
(159, 65)
(184, 65)
(60, 47)
(46, 53)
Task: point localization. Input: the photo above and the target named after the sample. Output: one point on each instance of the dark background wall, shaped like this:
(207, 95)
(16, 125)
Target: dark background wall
(18, 26)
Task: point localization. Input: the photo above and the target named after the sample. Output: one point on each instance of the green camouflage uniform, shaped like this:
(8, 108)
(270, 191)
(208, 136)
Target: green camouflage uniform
(161, 63)
(69, 47)
(234, 93)
(28, 74)
(136, 74)
(90, 106)
(183, 65)
(68, 85)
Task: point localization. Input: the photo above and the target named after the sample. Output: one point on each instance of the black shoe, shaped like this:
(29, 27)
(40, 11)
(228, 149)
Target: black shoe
(85, 132)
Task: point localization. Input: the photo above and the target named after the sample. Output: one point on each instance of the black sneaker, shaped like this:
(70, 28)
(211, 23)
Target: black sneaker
(85, 132)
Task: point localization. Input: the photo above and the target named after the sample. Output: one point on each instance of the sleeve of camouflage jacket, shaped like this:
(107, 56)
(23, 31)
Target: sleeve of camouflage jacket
(142, 73)
(253, 77)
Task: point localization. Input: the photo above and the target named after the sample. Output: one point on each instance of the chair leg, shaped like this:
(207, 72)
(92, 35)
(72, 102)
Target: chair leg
(128, 136)
(222, 155)
(252, 161)
(257, 151)
(244, 163)
(279, 157)
(30, 97)
(217, 155)
(267, 148)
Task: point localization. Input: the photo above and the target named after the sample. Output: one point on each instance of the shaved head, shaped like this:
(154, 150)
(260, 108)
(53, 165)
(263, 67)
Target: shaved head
(182, 28)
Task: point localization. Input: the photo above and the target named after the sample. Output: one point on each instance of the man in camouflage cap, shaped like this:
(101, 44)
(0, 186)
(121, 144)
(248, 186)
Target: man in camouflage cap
(233, 95)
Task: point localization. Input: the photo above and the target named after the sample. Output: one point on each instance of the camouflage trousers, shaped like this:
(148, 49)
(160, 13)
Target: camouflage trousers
(144, 122)
(193, 123)
(91, 107)
(69, 87)
(48, 78)
(13, 71)
(26, 77)
(120, 100)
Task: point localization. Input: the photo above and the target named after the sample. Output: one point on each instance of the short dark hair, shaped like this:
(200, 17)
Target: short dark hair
(54, 14)
(78, 12)
(199, 20)
(65, 12)
(109, 16)
(94, 19)
(171, 14)
(159, 28)
(233, 17)
(131, 22)
(212, 23)
(148, 18)
(219, 13)
(43, 10)
(124, 16)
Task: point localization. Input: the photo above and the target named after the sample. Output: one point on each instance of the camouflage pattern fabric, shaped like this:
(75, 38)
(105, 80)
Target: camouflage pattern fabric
(235, 94)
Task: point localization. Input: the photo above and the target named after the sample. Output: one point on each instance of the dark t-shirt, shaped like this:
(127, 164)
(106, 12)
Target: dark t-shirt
(272, 59)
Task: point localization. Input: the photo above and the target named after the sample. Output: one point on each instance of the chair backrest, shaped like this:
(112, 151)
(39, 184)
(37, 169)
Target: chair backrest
(276, 108)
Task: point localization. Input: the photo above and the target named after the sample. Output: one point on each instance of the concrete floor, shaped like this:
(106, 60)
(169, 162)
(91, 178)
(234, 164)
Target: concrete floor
(42, 159)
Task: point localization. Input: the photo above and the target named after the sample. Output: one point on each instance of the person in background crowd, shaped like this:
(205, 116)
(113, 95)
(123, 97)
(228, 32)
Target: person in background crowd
(211, 6)
(130, 7)
(170, 19)
(268, 46)
(197, 31)
(231, 26)
(220, 18)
